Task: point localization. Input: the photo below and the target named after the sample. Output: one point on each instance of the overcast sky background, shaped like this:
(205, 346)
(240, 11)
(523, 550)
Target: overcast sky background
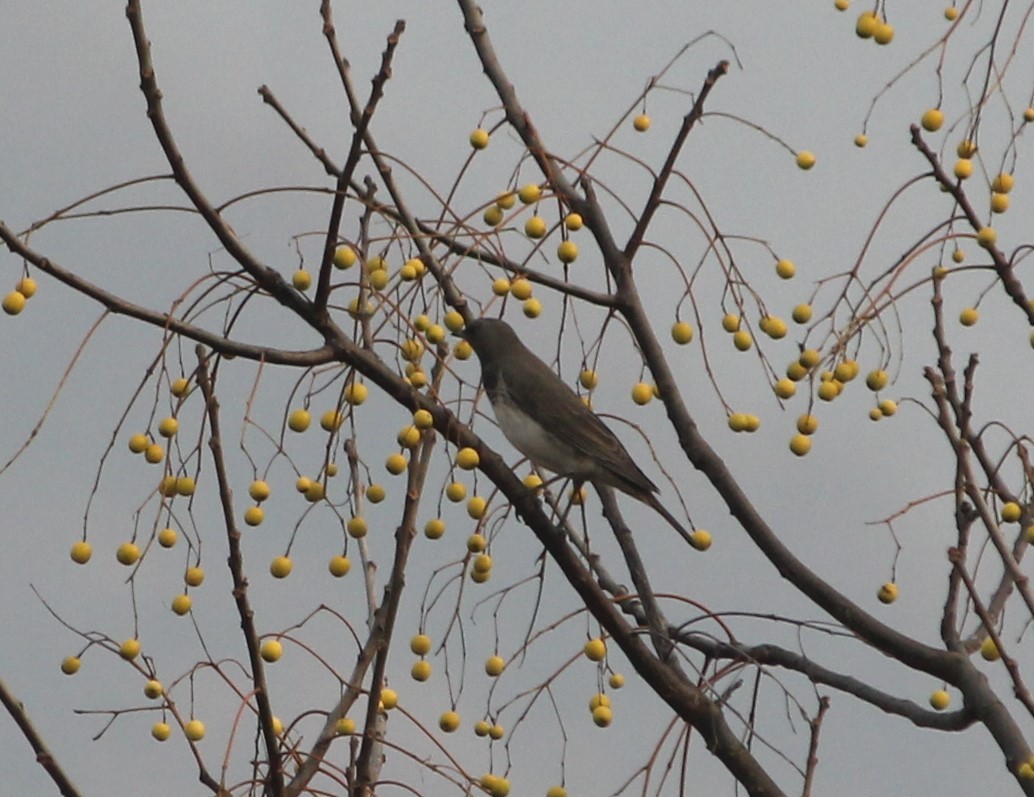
(73, 122)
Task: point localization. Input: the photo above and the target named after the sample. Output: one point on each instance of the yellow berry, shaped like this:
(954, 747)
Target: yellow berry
(494, 665)
(434, 529)
(861, 140)
(1003, 183)
(785, 388)
(26, 287)
(467, 458)
(194, 730)
(588, 379)
(167, 538)
(281, 567)
(521, 289)
(802, 313)
(573, 222)
(355, 393)
(301, 279)
(181, 604)
(786, 269)
(963, 168)
(682, 332)
(345, 726)
(194, 576)
(128, 553)
(506, 200)
(602, 716)
(999, 203)
(642, 393)
(299, 420)
(389, 698)
(14, 303)
(168, 427)
(989, 650)
(939, 700)
(567, 252)
(969, 316)
(420, 644)
(888, 407)
(254, 515)
(866, 25)
(884, 32)
(641, 123)
(501, 286)
(535, 227)
(476, 543)
(357, 527)
(476, 507)
(493, 216)
(1011, 512)
(595, 649)
(933, 119)
(529, 194)
(344, 257)
(532, 308)
(456, 492)
(731, 322)
(805, 160)
(700, 539)
(987, 237)
(742, 340)
(800, 444)
(479, 138)
(129, 649)
(877, 380)
(396, 464)
(271, 650)
(421, 670)
(339, 566)
(887, 593)
(950, 13)
(81, 552)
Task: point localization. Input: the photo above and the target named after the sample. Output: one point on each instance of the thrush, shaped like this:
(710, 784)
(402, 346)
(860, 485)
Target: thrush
(546, 420)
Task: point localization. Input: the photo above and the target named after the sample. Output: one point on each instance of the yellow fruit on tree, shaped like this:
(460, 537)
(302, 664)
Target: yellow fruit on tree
(271, 650)
(421, 670)
(181, 604)
(449, 721)
(535, 227)
(529, 194)
(81, 552)
(14, 303)
(494, 665)
(129, 649)
(866, 25)
(1011, 512)
(299, 420)
(280, 567)
(434, 529)
(127, 553)
(786, 269)
(800, 444)
(682, 332)
(939, 700)
(194, 730)
(467, 458)
(887, 593)
(138, 443)
(595, 649)
(479, 138)
(641, 123)
(933, 119)
(805, 160)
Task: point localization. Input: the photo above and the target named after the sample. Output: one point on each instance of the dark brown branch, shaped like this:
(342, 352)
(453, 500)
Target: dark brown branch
(43, 755)
(235, 561)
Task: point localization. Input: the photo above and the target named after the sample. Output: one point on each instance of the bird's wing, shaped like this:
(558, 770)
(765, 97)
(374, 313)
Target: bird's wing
(575, 424)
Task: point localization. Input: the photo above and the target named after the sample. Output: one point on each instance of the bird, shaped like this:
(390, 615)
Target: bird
(548, 422)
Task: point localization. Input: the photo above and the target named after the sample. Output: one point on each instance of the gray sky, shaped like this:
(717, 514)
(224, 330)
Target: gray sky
(73, 122)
